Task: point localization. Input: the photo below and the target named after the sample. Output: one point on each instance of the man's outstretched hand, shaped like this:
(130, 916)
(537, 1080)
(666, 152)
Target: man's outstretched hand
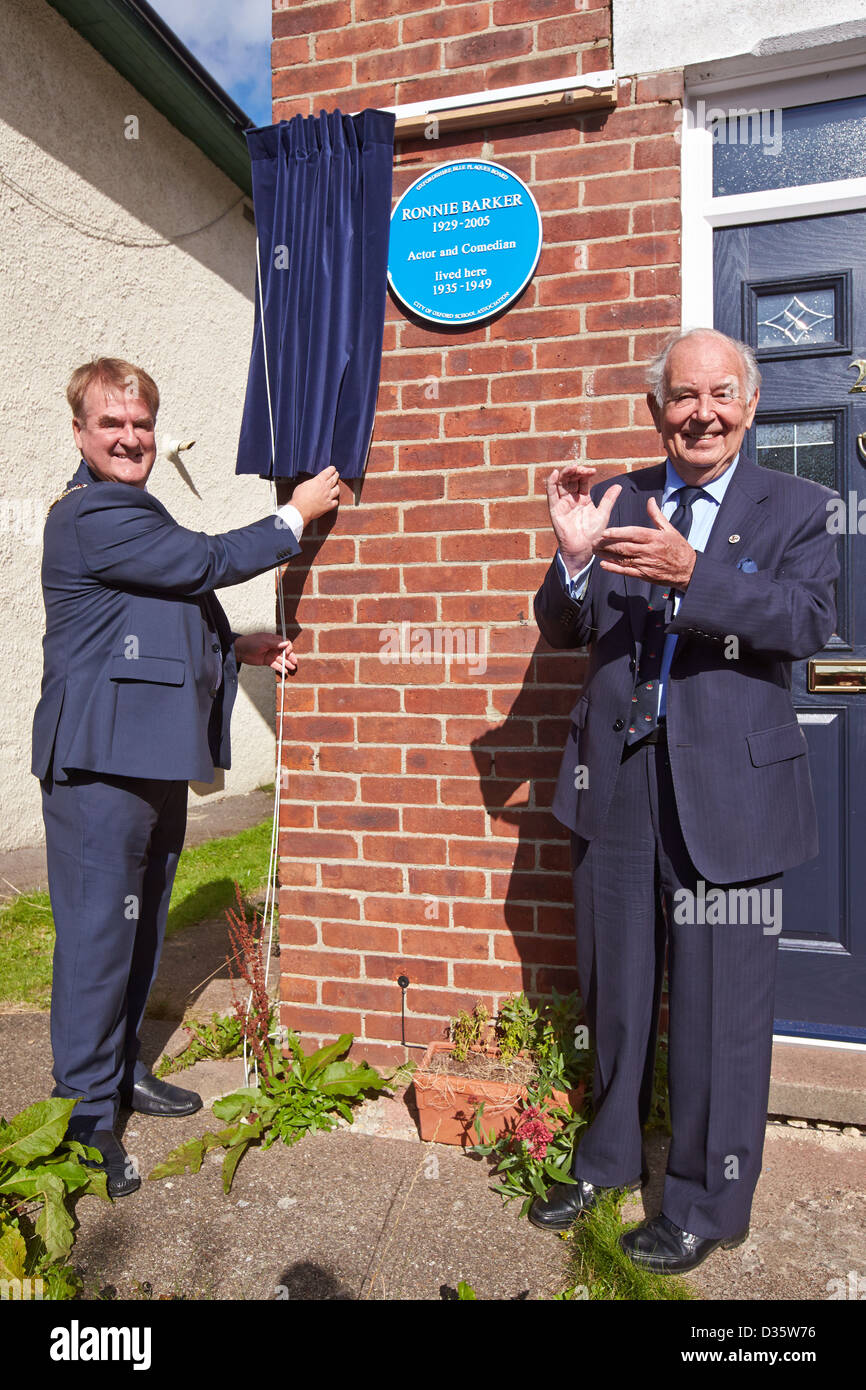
(577, 522)
(656, 552)
(266, 649)
(318, 495)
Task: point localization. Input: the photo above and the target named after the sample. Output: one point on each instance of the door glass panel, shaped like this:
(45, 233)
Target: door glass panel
(806, 317)
(806, 448)
(788, 147)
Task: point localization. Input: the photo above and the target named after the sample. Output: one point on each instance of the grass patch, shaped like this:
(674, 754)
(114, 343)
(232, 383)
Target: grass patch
(599, 1270)
(203, 889)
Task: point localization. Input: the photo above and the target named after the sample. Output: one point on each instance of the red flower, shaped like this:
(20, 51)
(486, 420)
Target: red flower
(534, 1132)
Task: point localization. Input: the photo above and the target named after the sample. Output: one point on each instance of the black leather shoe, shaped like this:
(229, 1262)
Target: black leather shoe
(566, 1201)
(149, 1096)
(120, 1168)
(659, 1245)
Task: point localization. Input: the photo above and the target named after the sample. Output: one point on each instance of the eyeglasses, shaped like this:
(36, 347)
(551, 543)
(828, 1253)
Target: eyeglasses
(689, 400)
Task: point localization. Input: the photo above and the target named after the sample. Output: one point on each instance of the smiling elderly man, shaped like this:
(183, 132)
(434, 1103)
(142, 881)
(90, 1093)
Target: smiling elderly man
(695, 584)
(140, 675)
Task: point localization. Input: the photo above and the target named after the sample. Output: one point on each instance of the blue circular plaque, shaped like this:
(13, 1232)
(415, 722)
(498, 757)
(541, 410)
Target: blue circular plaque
(465, 240)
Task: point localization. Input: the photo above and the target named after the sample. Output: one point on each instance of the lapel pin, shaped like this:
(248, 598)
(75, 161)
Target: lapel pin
(732, 540)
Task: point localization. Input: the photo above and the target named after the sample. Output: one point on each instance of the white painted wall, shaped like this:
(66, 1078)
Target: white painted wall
(183, 311)
(649, 36)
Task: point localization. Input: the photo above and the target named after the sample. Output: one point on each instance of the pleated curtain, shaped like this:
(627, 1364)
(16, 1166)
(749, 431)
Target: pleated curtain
(322, 200)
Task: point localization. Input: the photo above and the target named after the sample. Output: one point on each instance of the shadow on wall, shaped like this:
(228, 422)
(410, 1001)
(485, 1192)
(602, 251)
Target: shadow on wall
(60, 94)
(517, 764)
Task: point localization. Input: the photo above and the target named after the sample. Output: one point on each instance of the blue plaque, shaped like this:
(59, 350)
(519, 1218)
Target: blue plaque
(465, 240)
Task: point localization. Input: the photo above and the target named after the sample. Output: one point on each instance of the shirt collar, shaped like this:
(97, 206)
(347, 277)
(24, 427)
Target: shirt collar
(716, 489)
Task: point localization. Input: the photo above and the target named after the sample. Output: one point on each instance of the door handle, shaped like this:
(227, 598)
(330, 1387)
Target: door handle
(843, 676)
(861, 447)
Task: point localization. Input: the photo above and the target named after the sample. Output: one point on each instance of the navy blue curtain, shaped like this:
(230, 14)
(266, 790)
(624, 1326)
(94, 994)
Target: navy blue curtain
(322, 199)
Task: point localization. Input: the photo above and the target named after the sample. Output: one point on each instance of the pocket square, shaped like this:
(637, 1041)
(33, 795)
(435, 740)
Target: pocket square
(747, 566)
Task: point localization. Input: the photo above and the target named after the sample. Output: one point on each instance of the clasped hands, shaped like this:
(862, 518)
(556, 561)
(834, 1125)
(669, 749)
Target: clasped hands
(657, 552)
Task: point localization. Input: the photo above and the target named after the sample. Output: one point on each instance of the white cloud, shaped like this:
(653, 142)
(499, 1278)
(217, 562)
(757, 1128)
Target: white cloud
(233, 42)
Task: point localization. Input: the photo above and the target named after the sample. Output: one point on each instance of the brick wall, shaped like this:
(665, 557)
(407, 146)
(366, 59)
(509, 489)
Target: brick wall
(415, 831)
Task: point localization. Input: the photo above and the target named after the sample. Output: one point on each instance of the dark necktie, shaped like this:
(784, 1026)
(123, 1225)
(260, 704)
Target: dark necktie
(645, 700)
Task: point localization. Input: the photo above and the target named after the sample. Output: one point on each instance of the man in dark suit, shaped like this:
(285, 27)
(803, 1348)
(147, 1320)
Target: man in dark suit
(685, 784)
(140, 675)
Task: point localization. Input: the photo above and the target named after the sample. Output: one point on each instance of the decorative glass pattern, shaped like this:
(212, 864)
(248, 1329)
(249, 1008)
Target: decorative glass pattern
(788, 147)
(806, 448)
(806, 317)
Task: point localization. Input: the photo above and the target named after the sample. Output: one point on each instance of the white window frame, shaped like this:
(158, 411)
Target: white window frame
(702, 213)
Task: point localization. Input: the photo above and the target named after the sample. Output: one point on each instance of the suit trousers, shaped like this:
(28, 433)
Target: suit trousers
(113, 845)
(637, 893)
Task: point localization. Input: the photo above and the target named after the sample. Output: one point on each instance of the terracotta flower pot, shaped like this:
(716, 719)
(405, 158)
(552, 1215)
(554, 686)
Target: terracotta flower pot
(447, 1104)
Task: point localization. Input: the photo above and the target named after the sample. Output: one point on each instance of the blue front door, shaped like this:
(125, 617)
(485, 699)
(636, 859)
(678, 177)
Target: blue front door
(796, 292)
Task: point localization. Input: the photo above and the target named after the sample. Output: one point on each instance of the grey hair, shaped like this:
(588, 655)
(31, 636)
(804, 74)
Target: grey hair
(657, 370)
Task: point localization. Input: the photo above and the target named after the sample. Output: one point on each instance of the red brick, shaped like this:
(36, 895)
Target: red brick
(655, 217)
(660, 86)
(486, 420)
(489, 359)
(319, 844)
(413, 791)
(538, 386)
(441, 453)
(356, 38)
(296, 989)
(449, 579)
(362, 996)
(342, 759)
(358, 817)
(436, 24)
(328, 1023)
(360, 938)
(311, 18)
(504, 979)
(584, 289)
(651, 185)
(634, 251)
(633, 444)
(381, 610)
(486, 547)
(296, 815)
(285, 110)
(405, 910)
(402, 62)
(414, 849)
(296, 931)
(425, 972)
(446, 701)
(488, 48)
(446, 883)
(574, 29)
(498, 482)
(323, 964)
(588, 415)
(293, 82)
(463, 516)
(637, 313)
(320, 904)
(365, 878)
(285, 53)
(505, 11)
(435, 821)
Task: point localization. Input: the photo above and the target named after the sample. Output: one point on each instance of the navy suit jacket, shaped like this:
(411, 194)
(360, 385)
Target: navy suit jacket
(738, 756)
(134, 634)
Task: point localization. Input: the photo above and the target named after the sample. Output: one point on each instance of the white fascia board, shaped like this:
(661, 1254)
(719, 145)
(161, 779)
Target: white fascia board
(530, 89)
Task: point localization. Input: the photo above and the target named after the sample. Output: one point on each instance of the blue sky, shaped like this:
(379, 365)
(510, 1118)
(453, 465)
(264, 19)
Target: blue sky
(233, 41)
